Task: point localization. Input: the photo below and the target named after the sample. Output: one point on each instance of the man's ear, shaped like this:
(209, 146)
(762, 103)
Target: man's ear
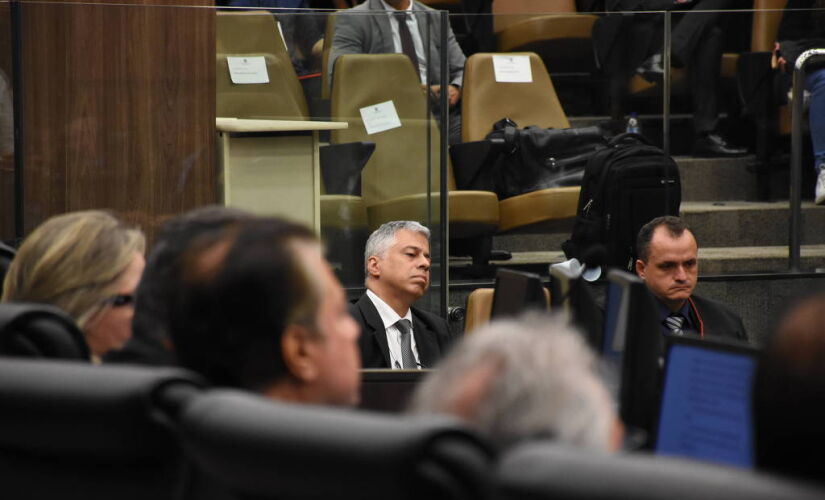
(640, 268)
(297, 347)
(373, 266)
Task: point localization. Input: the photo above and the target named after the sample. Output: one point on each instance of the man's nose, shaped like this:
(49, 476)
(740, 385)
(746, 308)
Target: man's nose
(681, 274)
(424, 263)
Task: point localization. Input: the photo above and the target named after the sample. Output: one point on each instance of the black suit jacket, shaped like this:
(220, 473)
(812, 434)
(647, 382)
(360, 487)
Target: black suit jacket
(718, 320)
(432, 335)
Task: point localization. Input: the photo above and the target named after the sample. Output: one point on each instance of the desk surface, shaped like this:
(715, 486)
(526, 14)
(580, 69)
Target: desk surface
(246, 125)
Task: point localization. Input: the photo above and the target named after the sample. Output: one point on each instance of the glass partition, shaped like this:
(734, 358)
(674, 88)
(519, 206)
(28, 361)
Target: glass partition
(152, 111)
(712, 101)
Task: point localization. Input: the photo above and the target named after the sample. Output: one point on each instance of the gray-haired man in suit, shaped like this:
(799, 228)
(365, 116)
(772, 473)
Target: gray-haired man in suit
(394, 333)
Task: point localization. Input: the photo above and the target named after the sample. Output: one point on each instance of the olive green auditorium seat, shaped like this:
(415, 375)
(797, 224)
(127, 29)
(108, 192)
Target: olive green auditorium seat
(485, 101)
(343, 219)
(401, 179)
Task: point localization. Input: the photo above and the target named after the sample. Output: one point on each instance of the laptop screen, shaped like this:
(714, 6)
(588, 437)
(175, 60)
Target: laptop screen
(515, 292)
(705, 411)
(615, 322)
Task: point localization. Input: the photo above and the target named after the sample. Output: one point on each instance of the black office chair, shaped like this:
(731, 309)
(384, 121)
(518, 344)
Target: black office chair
(77, 431)
(550, 471)
(7, 253)
(32, 330)
(251, 446)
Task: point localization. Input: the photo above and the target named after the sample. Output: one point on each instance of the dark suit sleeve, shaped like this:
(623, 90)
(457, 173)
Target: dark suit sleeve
(719, 320)
(372, 341)
(455, 60)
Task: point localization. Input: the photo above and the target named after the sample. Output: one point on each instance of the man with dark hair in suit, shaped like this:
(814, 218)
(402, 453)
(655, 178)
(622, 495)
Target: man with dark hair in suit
(257, 307)
(151, 342)
(668, 262)
(395, 334)
(404, 27)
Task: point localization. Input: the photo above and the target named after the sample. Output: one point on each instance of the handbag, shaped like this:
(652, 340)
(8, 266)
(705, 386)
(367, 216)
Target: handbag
(535, 158)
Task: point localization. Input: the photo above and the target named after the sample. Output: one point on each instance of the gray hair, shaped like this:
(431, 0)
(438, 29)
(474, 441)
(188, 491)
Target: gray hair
(382, 238)
(535, 378)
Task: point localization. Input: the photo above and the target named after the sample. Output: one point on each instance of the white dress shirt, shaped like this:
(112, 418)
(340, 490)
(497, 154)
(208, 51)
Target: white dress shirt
(412, 24)
(389, 317)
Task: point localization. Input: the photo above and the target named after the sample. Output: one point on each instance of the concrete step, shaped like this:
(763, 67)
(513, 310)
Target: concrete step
(713, 260)
(717, 179)
(750, 224)
(716, 224)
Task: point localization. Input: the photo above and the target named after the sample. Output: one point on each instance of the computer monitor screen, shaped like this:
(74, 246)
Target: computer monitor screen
(615, 322)
(705, 410)
(632, 347)
(516, 292)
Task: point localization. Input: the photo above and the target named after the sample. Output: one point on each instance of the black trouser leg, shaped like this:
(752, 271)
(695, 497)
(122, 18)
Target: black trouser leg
(704, 69)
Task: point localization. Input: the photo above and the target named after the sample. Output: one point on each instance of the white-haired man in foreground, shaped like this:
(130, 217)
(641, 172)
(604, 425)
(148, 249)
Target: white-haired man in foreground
(522, 379)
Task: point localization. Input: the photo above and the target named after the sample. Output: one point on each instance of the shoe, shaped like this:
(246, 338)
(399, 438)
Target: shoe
(712, 145)
(819, 193)
(652, 70)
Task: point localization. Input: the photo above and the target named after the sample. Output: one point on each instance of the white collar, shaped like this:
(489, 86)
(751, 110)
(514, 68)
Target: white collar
(388, 315)
(393, 9)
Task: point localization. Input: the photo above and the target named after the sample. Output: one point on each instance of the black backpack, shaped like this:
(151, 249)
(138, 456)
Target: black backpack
(624, 187)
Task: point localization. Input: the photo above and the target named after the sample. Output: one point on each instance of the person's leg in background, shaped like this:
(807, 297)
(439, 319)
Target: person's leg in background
(704, 69)
(816, 115)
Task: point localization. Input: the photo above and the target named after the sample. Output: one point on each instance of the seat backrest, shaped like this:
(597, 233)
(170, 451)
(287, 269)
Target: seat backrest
(509, 12)
(484, 101)
(255, 34)
(79, 431)
(480, 307)
(399, 165)
(32, 330)
(553, 471)
(253, 446)
(766, 19)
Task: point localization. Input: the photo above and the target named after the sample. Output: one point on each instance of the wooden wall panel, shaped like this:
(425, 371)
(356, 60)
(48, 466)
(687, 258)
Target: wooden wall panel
(119, 109)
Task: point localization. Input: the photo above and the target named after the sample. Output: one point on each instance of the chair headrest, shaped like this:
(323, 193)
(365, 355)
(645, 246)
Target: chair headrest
(62, 408)
(550, 470)
(260, 447)
(39, 331)
(7, 253)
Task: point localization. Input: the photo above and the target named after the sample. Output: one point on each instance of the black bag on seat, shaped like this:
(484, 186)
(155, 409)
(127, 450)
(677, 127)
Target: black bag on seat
(624, 187)
(535, 158)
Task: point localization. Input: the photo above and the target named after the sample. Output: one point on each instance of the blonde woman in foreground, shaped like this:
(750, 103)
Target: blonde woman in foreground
(88, 264)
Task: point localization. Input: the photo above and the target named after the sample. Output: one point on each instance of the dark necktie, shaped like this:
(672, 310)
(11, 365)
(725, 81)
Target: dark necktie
(407, 356)
(407, 45)
(675, 322)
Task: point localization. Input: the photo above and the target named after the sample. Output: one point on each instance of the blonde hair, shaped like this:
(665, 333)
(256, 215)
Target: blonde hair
(73, 261)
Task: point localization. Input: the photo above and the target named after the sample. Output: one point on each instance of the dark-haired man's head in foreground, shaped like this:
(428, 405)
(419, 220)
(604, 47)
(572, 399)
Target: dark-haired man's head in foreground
(258, 307)
(789, 394)
(516, 380)
(151, 340)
